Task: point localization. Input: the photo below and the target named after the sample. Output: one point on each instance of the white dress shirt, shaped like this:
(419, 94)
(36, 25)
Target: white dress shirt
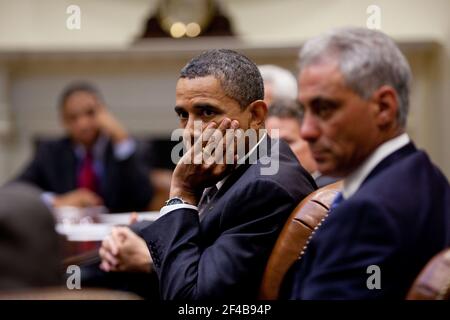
(354, 180)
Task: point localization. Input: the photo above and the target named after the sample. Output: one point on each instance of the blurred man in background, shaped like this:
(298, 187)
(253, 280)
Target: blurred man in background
(286, 116)
(95, 164)
(279, 84)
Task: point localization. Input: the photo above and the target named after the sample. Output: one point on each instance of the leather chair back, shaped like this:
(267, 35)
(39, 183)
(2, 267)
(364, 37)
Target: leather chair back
(294, 237)
(433, 283)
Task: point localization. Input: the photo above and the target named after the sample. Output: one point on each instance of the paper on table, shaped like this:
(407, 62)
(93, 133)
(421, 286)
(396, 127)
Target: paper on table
(124, 218)
(98, 231)
(84, 232)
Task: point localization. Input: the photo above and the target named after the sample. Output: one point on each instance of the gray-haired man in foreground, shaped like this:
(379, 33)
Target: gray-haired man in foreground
(394, 211)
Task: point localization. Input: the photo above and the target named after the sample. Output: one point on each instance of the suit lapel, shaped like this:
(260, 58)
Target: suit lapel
(68, 166)
(391, 159)
(109, 174)
(211, 215)
(263, 149)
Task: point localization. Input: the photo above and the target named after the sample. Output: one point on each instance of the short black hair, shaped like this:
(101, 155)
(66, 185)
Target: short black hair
(286, 108)
(238, 75)
(79, 86)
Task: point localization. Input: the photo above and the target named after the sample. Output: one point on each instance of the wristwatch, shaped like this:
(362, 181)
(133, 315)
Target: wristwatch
(175, 200)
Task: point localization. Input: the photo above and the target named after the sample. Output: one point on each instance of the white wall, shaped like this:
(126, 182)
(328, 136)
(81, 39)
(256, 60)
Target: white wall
(42, 23)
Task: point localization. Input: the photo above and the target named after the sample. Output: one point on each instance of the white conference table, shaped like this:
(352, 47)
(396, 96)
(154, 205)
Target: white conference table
(97, 229)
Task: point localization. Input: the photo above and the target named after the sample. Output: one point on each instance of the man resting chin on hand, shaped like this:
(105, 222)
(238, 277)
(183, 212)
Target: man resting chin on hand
(218, 228)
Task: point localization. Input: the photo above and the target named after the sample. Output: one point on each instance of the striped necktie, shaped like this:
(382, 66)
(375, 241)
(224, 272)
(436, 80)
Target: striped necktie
(86, 175)
(206, 199)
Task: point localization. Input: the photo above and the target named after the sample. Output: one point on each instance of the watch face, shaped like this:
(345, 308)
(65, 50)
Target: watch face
(174, 201)
(186, 12)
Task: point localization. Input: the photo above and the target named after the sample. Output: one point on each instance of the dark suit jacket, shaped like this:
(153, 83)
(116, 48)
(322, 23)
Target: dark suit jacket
(397, 220)
(224, 254)
(125, 185)
(323, 181)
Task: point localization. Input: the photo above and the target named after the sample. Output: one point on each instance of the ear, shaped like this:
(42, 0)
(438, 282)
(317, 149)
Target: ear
(386, 100)
(258, 112)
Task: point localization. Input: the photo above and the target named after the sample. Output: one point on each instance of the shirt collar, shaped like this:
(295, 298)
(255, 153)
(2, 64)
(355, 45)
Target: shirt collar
(316, 174)
(354, 180)
(252, 150)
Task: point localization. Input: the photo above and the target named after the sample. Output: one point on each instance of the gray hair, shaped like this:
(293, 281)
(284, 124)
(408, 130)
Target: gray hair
(367, 59)
(238, 75)
(283, 81)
